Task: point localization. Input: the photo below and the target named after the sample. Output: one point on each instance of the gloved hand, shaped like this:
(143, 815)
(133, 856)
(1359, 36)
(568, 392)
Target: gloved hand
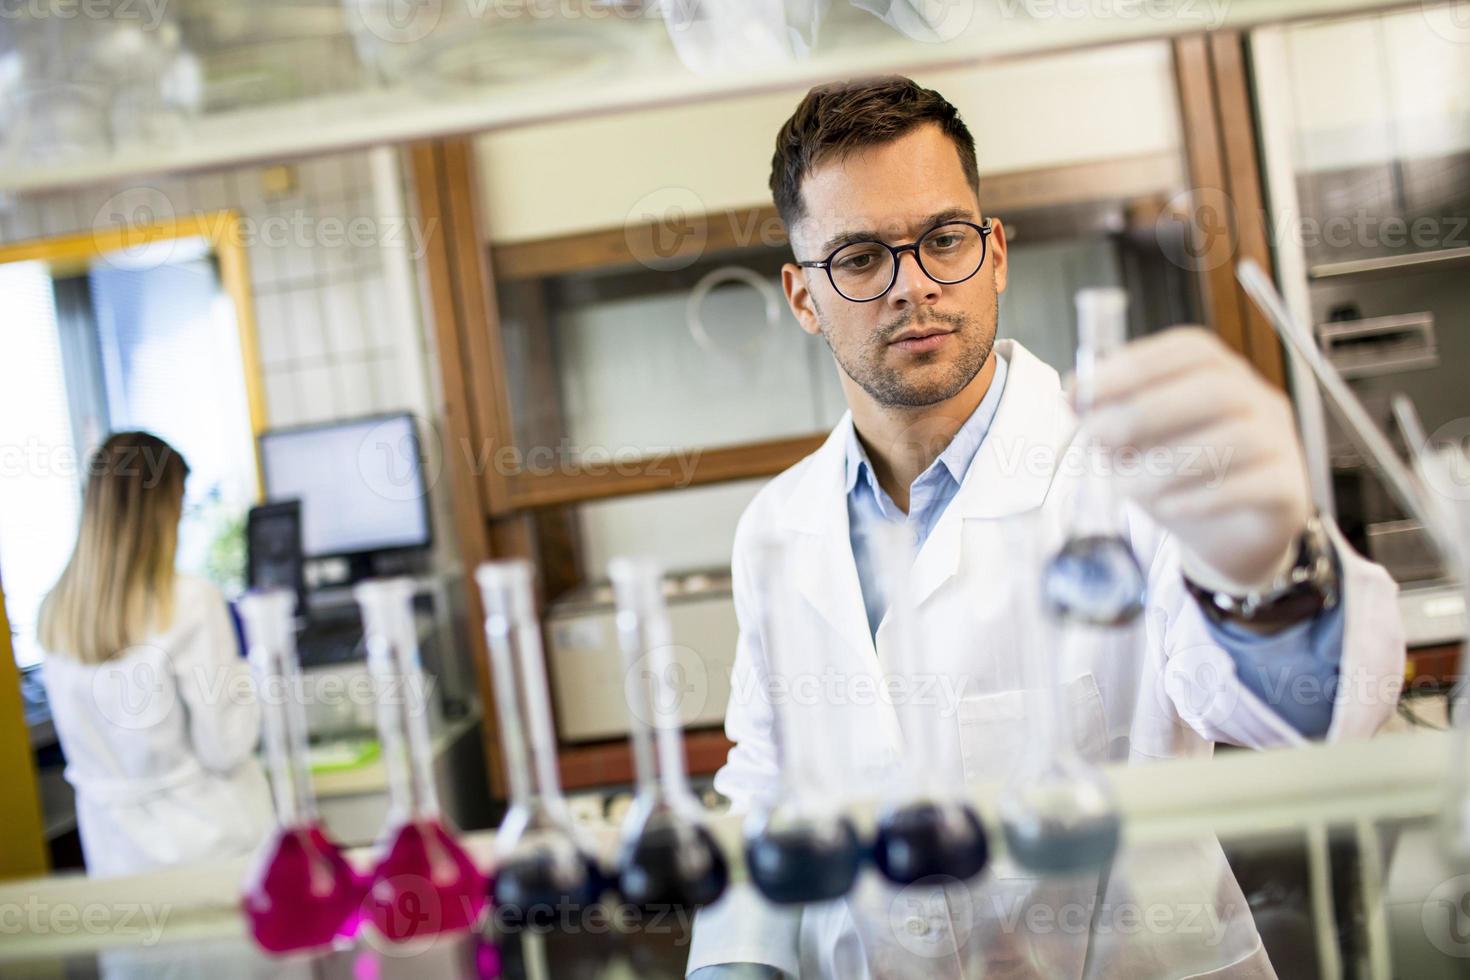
(1218, 462)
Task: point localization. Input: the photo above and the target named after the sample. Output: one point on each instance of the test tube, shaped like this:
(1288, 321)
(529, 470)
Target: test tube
(668, 857)
(929, 829)
(1095, 578)
(1057, 812)
(541, 862)
(799, 847)
(424, 883)
(300, 892)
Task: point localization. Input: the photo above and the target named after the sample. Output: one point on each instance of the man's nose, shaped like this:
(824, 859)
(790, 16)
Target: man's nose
(911, 286)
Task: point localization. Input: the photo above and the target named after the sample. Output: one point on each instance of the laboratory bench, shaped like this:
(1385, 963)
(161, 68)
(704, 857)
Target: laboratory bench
(1334, 846)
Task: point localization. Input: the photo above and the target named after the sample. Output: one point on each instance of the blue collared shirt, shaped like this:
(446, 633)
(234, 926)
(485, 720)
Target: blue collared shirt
(1307, 654)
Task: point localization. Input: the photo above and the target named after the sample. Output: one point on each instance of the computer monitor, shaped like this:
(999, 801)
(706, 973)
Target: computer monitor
(360, 483)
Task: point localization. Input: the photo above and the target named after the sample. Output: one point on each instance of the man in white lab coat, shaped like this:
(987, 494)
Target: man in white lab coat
(1262, 627)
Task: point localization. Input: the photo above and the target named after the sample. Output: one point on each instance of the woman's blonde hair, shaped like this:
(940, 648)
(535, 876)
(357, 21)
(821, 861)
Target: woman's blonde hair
(118, 585)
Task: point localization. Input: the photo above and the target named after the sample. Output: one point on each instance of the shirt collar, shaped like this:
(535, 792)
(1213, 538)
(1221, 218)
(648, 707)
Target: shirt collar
(956, 457)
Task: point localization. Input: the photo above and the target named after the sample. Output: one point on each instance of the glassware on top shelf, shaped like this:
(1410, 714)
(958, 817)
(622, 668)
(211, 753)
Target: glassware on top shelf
(541, 862)
(300, 893)
(668, 856)
(424, 883)
(1057, 811)
(927, 828)
(1095, 578)
(799, 846)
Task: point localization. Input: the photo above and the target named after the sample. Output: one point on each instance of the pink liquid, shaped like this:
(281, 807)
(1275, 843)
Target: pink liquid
(303, 893)
(425, 884)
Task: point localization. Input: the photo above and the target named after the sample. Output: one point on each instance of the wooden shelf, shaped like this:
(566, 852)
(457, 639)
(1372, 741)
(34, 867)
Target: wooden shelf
(660, 471)
(662, 243)
(611, 763)
(1439, 664)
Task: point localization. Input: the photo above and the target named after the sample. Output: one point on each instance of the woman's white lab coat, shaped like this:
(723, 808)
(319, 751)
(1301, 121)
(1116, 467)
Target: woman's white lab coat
(160, 743)
(1169, 692)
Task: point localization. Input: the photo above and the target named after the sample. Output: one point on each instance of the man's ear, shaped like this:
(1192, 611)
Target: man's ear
(997, 246)
(799, 297)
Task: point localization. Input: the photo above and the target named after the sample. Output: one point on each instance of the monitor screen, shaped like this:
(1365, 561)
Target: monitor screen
(360, 483)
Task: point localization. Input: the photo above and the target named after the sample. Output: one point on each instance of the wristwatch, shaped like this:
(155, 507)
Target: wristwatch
(1303, 591)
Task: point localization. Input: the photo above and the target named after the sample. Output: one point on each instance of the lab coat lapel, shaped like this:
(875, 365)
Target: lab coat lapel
(824, 571)
(1011, 471)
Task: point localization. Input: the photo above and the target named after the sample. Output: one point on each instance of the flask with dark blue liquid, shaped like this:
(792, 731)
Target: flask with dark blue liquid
(799, 847)
(1057, 812)
(926, 828)
(543, 869)
(668, 857)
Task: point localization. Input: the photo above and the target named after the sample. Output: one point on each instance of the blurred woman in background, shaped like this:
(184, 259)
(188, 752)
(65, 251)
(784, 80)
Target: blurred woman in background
(151, 701)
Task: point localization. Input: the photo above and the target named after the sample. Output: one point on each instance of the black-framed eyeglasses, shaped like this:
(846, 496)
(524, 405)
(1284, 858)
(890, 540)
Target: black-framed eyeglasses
(949, 253)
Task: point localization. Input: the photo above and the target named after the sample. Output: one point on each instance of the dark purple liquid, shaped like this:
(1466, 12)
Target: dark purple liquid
(673, 863)
(922, 840)
(425, 884)
(804, 863)
(303, 893)
(536, 886)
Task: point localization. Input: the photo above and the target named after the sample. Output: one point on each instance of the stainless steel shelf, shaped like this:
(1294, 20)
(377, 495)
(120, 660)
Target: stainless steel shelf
(1419, 261)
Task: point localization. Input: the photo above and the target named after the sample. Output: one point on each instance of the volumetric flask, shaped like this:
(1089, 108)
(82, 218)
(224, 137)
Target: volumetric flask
(799, 846)
(1057, 812)
(1095, 577)
(929, 828)
(542, 867)
(668, 856)
(300, 892)
(424, 883)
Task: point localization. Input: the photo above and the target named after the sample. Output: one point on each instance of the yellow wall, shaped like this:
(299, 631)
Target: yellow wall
(22, 841)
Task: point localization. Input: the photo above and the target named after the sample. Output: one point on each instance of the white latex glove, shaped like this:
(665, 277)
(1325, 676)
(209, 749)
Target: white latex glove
(1218, 465)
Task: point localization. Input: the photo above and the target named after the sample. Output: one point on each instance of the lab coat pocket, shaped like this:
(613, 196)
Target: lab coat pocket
(995, 734)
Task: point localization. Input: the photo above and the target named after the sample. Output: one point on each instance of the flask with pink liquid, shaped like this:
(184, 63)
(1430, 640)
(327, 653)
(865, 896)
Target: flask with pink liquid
(300, 893)
(424, 883)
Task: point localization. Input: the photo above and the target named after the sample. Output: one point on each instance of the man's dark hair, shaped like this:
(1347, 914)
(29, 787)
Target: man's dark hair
(837, 119)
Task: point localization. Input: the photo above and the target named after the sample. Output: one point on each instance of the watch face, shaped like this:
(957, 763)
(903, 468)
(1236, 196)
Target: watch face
(1307, 589)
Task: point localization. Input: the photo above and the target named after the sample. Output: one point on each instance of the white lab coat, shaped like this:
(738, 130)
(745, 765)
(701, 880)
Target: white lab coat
(1169, 692)
(160, 743)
